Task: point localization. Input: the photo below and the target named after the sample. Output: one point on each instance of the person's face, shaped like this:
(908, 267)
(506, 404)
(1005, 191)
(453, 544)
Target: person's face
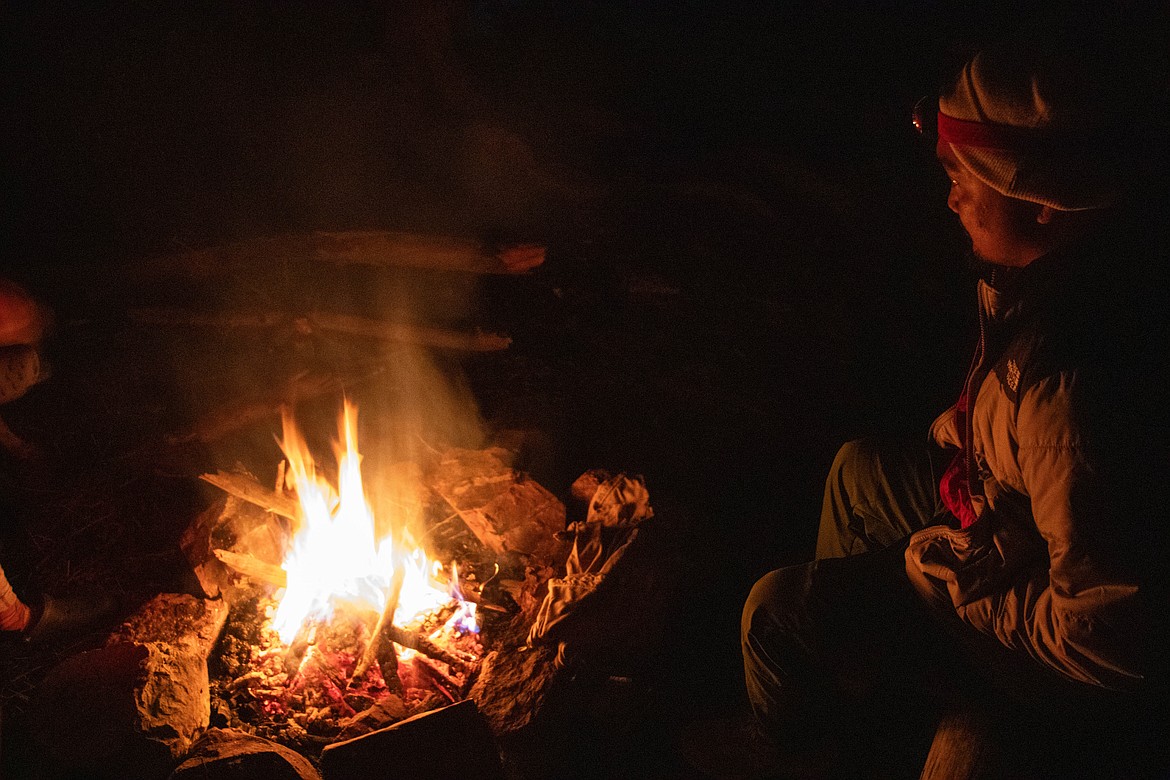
(1003, 230)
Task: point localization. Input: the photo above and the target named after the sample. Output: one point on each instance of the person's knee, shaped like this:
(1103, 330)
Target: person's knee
(776, 594)
(854, 456)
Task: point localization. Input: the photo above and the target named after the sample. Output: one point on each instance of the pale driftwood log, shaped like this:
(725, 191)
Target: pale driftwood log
(247, 488)
(251, 566)
(381, 248)
(398, 332)
(133, 706)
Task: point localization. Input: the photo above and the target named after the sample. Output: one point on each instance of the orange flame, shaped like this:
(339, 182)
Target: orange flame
(335, 558)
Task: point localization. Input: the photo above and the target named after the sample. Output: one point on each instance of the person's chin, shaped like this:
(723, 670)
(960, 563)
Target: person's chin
(976, 262)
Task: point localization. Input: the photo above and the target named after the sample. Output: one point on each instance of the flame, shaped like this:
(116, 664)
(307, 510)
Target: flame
(335, 559)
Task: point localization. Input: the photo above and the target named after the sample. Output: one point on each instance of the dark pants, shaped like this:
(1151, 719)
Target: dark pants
(844, 639)
(844, 645)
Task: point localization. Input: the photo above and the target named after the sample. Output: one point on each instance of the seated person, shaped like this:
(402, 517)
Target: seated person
(23, 325)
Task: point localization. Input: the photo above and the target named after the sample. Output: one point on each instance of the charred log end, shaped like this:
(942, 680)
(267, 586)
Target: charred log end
(458, 733)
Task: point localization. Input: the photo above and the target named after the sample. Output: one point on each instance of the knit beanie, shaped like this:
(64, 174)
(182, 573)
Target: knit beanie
(1051, 117)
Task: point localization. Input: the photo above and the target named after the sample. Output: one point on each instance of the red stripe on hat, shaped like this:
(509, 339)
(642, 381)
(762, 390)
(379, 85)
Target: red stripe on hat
(986, 136)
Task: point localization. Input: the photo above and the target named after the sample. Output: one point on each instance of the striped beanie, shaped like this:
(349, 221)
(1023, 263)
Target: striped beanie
(1053, 119)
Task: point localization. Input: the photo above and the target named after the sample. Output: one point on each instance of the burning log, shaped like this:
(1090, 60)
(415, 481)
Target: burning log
(451, 688)
(251, 566)
(245, 487)
(381, 648)
(300, 645)
(420, 644)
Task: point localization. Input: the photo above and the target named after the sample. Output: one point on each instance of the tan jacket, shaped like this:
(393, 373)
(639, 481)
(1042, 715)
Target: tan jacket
(1049, 568)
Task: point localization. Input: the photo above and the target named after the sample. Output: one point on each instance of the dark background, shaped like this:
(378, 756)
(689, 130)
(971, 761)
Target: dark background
(137, 127)
(750, 259)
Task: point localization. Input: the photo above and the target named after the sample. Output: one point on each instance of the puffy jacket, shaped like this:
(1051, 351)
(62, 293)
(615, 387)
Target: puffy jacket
(1065, 561)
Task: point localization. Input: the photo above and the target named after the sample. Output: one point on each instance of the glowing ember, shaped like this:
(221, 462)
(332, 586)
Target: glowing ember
(337, 562)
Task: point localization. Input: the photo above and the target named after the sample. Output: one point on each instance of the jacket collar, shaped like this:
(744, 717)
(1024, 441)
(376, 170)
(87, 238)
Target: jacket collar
(1009, 294)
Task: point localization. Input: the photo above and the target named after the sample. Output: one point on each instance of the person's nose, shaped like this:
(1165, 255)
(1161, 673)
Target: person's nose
(953, 199)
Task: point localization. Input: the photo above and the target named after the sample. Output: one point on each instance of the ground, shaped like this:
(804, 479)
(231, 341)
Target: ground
(749, 262)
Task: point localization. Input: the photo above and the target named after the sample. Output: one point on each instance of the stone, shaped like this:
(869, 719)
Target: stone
(142, 698)
(452, 741)
(230, 754)
(177, 619)
(513, 688)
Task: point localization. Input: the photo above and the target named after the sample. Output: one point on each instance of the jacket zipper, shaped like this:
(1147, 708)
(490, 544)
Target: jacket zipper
(973, 482)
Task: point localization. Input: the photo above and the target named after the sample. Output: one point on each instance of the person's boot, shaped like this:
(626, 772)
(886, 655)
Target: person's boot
(57, 616)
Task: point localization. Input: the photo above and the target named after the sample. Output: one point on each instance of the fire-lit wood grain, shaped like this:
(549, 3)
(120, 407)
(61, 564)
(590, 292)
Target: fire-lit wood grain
(419, 643)
(251, 566)
(244, 486)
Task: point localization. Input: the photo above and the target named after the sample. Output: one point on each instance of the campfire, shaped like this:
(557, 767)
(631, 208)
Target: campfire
(420, 585)
(359, 614)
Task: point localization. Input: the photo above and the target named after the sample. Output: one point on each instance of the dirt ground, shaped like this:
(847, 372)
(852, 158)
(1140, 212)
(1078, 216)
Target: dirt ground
(749, 262)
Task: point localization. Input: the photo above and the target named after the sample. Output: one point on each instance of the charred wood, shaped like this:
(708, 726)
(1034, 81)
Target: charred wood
(420, 644)
(444, 683)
